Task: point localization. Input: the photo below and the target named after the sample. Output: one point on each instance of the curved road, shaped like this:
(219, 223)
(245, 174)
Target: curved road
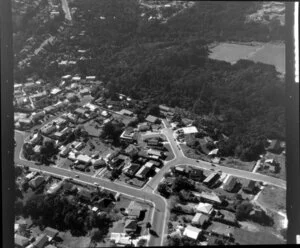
(148, 192)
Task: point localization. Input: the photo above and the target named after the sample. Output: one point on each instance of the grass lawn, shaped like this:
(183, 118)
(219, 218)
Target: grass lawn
(280, 158)
(71, 241)
(238, 164)
(273, 198)
(170, 152)
(191, 153)
(92, 128)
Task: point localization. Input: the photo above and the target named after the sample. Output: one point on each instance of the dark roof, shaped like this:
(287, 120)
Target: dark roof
(231, 184)
(133, 169)
(40, 241)
(251, 185)
(130, 224)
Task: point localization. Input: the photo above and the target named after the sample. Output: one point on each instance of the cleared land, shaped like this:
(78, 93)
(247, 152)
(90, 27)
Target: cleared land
(273, 54)
(273, 198)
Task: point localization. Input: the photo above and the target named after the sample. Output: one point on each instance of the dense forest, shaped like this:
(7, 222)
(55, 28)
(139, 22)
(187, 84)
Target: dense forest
(168, 63)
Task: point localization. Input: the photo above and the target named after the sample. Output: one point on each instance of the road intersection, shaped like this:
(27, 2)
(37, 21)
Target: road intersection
(148, 192)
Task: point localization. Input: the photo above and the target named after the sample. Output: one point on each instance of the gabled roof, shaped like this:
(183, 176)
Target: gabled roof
(21, 241)
(200, 218)
(51, 232)
(151, 118)
(40, 241)
(130, 225)
(192, 232)
(211, 197)
(205, 208)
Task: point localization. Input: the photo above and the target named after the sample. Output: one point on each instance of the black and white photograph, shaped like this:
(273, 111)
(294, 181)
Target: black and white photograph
(140, 123)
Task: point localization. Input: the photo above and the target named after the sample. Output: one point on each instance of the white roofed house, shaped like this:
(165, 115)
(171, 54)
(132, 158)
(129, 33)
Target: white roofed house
(38, 116)
(205, 208)
(192, 232)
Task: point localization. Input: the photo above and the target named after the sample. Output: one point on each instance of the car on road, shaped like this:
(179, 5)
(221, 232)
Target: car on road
(212, 169)
(212, 165)
(76, 176)
(96, 184)
(198, 161)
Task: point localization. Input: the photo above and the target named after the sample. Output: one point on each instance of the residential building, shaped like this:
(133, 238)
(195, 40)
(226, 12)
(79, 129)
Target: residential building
(226, 217)
(196, 174)
(132, 169)
(130, 226)
(83, 158)
(210, 197)
(38, 116)
(81, 111)
(143, 172)
(200, 219)
(221, 229)
(151, 119)
(128, 135)
(55, 187)
(21, 241)
(250, 188)
(49, 109)
(36, 182)
(121, 239)
(274, 146)
(91, 107)
(84, 92)
(131, 150)
(192, 232)
(134, 210)
(125, 112)
(205, 208)
(65, 151)
(51, 233)
(37, 149)
(36, 138)
(143, 127)
(84, 194)
(77, 145)
(231, 184)
(211, 179)
(25, 122)
(40, 241)
(156, 153)
(48, 129)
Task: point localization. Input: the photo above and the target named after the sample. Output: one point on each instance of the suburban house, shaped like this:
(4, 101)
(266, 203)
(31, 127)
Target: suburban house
(37, 149)
(128, 135)
(131, 150)
(226, 217)
(81, 112)
(192, 232)
(25, 122)
(134, 210)
(196, 174)
(231, 184)
(40, 241)
(274, 146)
(132, 169)
(211, 179)
(65, 151)
(48, 129)
(21, 241)
(205, 208)
(143, 127)
(155, 153)
(125, 112)
(55, 187)
(151, 119)
(38, 116)
(36, 138)
(36, 182)
(130, 226)
(200, 219)
(83, 158)
(77, 145)
(121, 239)
(51, 233)
(143, 171)
(210, 198)
(220, 229)
(251, 187)
(84, 194)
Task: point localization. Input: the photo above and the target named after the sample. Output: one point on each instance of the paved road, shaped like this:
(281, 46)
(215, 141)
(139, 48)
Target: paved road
(180, 158)
(159, 203)
(161, 212)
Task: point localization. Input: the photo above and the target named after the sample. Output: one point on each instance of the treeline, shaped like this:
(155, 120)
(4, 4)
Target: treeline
(60, 213)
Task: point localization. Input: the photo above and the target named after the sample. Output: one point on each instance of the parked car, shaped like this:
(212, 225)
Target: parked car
(76, 176)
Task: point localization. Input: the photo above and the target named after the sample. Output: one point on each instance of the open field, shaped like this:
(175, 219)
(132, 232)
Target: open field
(273, 198)
(273, 54)
(238, 164)
(190, 153)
